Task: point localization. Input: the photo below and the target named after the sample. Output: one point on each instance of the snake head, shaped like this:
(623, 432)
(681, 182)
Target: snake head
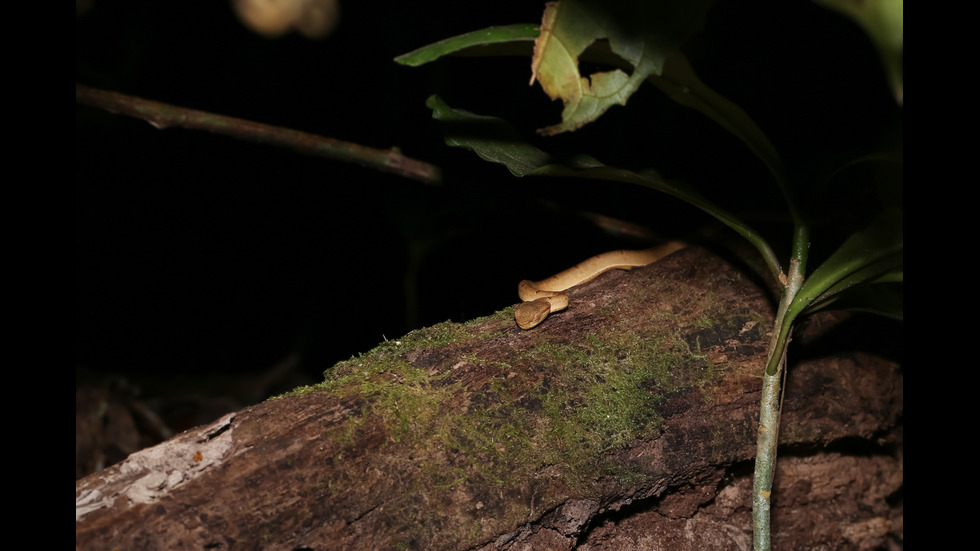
(531, 313)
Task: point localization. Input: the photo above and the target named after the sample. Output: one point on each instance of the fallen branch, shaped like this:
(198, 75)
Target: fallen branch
(630, 415)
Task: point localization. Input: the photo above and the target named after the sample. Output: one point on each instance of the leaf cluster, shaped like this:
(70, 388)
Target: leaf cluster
(642, 42)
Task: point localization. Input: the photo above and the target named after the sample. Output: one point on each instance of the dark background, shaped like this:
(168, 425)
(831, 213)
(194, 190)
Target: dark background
(198, 254)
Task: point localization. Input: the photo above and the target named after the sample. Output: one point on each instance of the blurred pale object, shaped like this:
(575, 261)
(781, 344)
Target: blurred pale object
(271, 18)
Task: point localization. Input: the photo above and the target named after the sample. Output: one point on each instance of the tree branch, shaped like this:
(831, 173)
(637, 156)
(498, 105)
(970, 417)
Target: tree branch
(162, 115)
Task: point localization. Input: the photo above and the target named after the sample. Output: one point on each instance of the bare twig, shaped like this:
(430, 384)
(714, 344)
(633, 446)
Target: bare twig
(162, 115)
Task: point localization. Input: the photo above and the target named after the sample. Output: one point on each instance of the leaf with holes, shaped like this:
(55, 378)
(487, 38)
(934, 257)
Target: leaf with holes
(642, 33)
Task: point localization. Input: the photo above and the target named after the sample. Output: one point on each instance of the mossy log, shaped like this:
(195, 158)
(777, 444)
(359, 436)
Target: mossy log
(626, 422)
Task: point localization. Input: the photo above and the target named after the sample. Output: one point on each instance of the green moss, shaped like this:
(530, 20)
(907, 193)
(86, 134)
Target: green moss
(602, 396)
(384, 359)
(503, 318)
(603, 399)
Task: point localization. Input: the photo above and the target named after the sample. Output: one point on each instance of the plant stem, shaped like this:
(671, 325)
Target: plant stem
(765, 459)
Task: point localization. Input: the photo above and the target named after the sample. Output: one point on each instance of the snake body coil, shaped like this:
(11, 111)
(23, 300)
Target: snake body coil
(544, 297)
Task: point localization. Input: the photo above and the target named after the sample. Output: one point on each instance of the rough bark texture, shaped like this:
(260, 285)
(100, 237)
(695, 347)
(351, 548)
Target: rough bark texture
(626, 422)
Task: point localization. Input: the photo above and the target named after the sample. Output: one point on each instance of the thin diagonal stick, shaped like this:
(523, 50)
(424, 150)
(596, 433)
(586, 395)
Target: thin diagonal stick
(162, 115)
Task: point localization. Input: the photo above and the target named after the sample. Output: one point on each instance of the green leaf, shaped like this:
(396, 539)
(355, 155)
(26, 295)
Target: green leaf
(492, 138)
(642, 33)
(482, 39)
(874, 254)
(681, 83)
(678, 79)
(497, 141)
(884, 21)
(882, 299)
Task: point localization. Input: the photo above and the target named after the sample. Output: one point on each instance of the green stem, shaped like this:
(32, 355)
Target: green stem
(672, 189)
(765, 459)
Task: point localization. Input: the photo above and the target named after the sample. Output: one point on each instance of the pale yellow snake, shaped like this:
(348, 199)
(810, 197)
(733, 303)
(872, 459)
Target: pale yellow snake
(544, 297)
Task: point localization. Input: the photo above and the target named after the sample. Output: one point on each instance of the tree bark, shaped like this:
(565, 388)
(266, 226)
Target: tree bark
(626, 422)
